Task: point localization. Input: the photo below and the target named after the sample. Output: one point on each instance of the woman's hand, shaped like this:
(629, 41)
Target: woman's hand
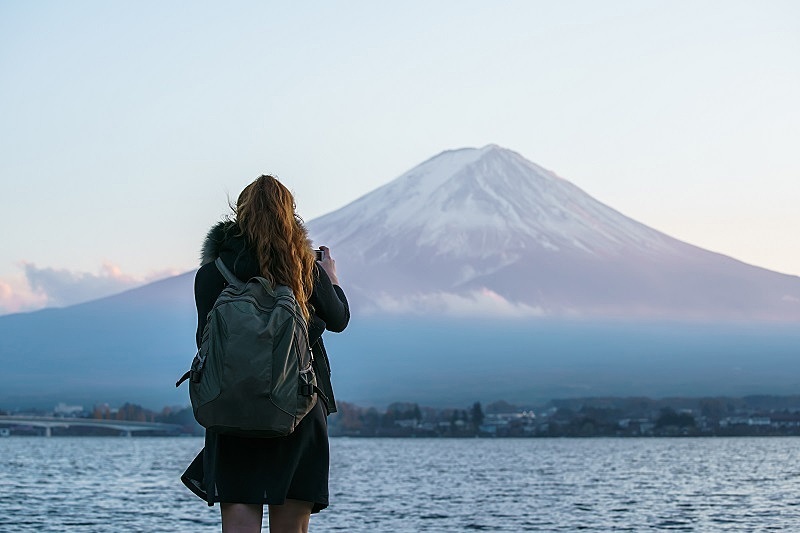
(328, 264)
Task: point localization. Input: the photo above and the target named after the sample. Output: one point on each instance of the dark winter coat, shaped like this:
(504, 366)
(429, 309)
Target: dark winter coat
(328, 303)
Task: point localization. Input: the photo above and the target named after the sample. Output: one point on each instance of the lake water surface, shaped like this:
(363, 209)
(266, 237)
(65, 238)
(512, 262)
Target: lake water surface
(408, 485)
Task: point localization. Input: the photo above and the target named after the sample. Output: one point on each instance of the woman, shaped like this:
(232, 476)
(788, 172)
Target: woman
(290, 474)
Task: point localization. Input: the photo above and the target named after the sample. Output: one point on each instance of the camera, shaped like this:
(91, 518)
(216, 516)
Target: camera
(318, 253)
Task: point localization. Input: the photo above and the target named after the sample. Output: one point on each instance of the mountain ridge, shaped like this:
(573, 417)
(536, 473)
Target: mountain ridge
(487, 224)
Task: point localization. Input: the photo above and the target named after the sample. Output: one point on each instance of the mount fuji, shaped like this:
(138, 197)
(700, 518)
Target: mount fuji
(485, 231)
(476, 275)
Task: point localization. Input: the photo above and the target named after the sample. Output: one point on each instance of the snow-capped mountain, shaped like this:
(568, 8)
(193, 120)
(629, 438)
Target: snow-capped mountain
(485, 230)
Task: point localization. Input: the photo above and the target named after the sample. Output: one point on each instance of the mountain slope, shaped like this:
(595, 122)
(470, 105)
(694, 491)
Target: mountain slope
(475, 228)
(128, 347)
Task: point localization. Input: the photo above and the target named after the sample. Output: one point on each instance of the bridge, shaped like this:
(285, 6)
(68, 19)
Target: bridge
(125, 427)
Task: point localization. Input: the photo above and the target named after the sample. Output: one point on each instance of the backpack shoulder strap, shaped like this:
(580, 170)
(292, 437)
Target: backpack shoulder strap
(226, 273)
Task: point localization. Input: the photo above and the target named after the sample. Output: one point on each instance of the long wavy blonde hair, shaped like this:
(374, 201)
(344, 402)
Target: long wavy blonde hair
(265, 214)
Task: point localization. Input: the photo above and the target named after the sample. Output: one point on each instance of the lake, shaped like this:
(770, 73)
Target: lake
(408, 485)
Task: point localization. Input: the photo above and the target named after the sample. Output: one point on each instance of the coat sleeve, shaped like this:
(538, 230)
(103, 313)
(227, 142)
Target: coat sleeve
(330, 308)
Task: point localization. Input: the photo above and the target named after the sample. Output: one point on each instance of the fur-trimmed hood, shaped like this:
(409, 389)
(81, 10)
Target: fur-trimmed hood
(212, 245)
(226, 241)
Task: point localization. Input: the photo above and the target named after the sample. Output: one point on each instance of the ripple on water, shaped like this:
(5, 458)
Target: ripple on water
(114, 484)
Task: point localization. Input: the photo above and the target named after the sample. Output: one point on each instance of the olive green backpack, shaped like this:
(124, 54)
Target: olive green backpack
(252, 375)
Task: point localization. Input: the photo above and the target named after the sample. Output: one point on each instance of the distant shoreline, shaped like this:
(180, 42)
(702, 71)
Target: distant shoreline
(615, 417)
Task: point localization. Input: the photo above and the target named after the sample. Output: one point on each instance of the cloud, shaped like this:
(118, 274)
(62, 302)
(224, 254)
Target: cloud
(16, 297)
(483, 302)
(66, 287)
(53, 287)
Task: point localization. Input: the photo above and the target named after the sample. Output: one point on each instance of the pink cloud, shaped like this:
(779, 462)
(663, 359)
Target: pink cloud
(52, 287)
(16, 296)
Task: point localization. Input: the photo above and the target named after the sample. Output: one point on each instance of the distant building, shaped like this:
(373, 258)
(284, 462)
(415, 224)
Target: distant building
(745, 421)
(65, 410)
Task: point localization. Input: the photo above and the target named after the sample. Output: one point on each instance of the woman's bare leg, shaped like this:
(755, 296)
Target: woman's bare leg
(241, 517)
(291, 517)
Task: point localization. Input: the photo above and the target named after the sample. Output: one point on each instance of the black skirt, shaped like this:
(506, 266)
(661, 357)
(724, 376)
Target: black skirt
(265, 471)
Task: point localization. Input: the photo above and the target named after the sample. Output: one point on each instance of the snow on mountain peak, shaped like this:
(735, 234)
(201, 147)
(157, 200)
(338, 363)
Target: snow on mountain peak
(481, 202)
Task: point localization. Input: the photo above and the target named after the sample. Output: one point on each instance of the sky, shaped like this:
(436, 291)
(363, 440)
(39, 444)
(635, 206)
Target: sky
(126, 126)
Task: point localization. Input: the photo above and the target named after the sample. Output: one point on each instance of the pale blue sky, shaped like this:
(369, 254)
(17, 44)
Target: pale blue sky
(125, 124)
